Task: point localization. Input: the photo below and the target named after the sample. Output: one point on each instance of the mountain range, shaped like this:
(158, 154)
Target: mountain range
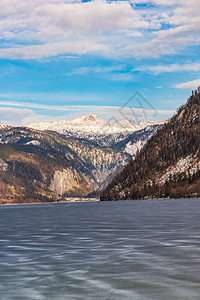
(45, 161)
(169, 163)
(94, 125)
(94, 131)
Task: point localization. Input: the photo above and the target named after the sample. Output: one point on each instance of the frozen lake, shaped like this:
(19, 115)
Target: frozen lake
(138, 250)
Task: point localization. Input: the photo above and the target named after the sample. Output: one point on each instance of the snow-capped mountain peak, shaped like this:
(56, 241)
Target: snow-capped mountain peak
(89, 120)
(93, 125)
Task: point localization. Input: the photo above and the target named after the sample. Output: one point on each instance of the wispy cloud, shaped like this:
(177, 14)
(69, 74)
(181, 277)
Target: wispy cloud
(60, 107)
(16, 111)
(194, 84)
(169, 68)
(97, 69)
(112, 73)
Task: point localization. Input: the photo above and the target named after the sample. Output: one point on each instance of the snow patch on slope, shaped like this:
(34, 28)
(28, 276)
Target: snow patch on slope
(133, 148)
(187, 165)
(3, 125)
(34, 142)
(3, 166)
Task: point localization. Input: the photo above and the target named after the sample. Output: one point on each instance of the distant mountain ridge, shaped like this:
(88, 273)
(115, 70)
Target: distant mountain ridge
(45, 165)
(169, 163)
(94, 131)
(94, 124)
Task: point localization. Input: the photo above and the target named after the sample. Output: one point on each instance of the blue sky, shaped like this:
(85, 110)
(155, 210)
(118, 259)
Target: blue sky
(63, 59)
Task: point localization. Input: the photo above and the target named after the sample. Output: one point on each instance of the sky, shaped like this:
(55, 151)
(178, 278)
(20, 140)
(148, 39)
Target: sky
(62, 59)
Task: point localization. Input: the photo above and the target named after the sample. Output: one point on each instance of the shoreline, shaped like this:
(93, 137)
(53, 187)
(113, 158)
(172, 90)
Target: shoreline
(95, 200)
(149, 199)
(68, 200)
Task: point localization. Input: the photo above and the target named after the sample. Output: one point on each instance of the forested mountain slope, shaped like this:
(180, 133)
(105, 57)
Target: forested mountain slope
(169, 163)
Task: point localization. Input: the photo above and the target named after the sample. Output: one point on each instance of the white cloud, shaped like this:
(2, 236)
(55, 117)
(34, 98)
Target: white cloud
(184, 18)
(46, 28)
(168, 41)
(52, 49)
(14, 116)
(194, 84)
(169, 68)
(46, 20)
(37, 29)
(97, 16)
